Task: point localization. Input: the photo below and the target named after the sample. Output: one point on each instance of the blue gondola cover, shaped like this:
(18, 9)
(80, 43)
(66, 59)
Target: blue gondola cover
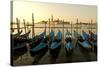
(69, 45)
(51, 36)
(54, 45)
(85, 36)
(85, 44)
(39, 47)
(59, 35)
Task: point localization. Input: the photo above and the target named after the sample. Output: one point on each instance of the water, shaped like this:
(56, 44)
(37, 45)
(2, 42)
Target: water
(68, 27)
(77, 56)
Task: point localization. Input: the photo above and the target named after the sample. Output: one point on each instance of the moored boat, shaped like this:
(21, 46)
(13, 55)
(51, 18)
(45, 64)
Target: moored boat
(93, 40)
(84, 43)
(17, 34)
(20, 39)
(68, 46)
(37, 39)
(19, 50)
(56, 44)
(18, 45)
(68, 43)
(40, 47)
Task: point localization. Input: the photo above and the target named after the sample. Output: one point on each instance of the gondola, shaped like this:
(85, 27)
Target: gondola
(56, 44)
(19, 50)
(84, 43)
(37, 39)
(41, 47)
(68, 43)
(94, 45)
(17, 34)
(20, 38)
(19, 46)
(93, 40)
(51, 37)
(26, 34)
(13, 37)
(85, 36)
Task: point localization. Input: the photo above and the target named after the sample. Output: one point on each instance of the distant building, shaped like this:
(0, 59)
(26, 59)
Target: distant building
(43, 22)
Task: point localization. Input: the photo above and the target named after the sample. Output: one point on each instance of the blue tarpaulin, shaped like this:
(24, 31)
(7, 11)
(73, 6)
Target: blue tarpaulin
(59, 35)
(69, 45)
(54, 45)
(85, 44)
(85, 36)
(39, 47)
(52, 36)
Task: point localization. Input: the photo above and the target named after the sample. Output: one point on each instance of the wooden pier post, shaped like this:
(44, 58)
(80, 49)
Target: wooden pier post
(12, 30)
(63, 31)
(71, 28)
(27, 25)
(45, 27)
(33, 33)
(80, 28)
(11, 19)
(77, 24)
(91, 25)
(54, 28)
(49, 29)
(49, 25)
(18, 25)
(24, 25)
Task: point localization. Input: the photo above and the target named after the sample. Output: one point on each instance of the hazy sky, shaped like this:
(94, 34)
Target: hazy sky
(43, 11)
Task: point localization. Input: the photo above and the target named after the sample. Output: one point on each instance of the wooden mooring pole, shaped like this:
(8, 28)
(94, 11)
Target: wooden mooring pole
(49, 26)
(18, 25)
(77, 24)
(24, 25)
(54, 28)
(27, 26)
(71, 28)
(63, 31)
(80, 28)
(45, 27)
(91, 25)
(33, 33)
(12, 30)
(49, 29)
